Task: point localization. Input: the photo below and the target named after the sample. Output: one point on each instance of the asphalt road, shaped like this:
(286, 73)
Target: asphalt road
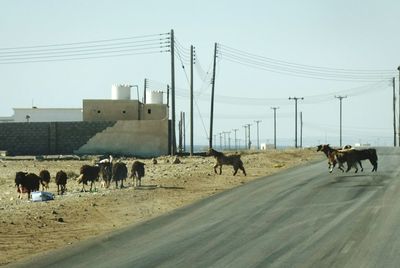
(303, 217)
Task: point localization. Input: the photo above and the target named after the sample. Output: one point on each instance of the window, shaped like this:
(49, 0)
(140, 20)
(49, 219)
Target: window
(149, 111)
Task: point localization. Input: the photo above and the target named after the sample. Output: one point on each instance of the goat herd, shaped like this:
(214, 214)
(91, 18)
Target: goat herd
(104, 169)
(118, 171)
(350, 156)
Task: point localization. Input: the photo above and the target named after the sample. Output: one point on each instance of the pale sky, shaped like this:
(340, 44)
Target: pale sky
(268, 51)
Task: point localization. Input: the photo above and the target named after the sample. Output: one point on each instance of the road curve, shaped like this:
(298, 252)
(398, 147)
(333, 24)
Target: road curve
(303, 217)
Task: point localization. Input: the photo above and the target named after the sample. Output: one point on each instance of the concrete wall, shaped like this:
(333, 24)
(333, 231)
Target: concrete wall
(145, 138)
(154, 112)
(110, 110)
(47, 137)
(114, 110)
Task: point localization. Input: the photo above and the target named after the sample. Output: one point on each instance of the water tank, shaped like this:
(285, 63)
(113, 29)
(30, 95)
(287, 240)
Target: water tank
(121, 92)
(154, 97)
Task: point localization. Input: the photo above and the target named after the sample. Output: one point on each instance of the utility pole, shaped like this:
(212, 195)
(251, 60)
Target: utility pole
(235, 130)
(224, 132)
(248, 126)
(229, 140)
(173, 135)
(258, 134)
(398, 133)
(180, 134)
(220, 140)
(191, 100)
(245, 136)
(295, 115)
(184, 130)
(394, 113)
(212, 96)
(168, 96)
(301, 129)
(340, 100)
(274, 108)
(144, 90)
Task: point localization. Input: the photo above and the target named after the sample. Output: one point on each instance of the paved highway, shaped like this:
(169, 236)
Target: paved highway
(303, 217)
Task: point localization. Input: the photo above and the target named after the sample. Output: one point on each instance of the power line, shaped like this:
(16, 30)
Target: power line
(300, 70)
(78, 51)
(286, 63)
(84, 58)
(84, 42)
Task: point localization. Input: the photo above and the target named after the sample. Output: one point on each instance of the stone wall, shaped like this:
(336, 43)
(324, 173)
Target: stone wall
(41, 138)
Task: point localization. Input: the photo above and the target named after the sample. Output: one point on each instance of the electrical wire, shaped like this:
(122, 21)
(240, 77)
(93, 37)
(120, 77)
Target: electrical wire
(84, 50)
(300, 70)
(85, 42)
(85, 58)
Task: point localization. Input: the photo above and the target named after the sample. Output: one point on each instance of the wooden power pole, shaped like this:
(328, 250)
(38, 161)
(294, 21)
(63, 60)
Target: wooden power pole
(394, 113)
(398, 132)
(191, 99)
(295, 119)
(210, 145)
(274, 108)
(173, 135)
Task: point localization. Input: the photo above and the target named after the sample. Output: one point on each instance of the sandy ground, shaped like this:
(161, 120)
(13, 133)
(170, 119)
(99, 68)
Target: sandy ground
(29, 228)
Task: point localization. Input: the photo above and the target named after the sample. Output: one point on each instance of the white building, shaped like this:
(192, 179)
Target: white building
(44, 115)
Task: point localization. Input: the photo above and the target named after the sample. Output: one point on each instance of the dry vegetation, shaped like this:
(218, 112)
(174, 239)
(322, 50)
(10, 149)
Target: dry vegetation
(29, 228)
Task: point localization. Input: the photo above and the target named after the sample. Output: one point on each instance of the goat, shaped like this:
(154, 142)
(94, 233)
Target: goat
(353, 156)
(119, 173)
(88, 173)
(105, 173)
(26, 183)
(232, 160)
(44, 179)
(137, 172)
(61, 181)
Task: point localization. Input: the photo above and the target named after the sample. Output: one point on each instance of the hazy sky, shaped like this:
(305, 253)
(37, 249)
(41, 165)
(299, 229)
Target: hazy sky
(268, 51)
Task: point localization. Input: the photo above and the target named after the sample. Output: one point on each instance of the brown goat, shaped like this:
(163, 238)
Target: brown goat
(231, 160)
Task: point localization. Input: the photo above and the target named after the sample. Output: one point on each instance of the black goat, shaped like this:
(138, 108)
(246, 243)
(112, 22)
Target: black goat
(137, 172)
(26, 183)
(88, 173)
(44, 179)
(119, 173)
(61, 181)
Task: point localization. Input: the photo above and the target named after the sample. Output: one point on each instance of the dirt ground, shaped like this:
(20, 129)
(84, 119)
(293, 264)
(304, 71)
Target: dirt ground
(28, 228)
